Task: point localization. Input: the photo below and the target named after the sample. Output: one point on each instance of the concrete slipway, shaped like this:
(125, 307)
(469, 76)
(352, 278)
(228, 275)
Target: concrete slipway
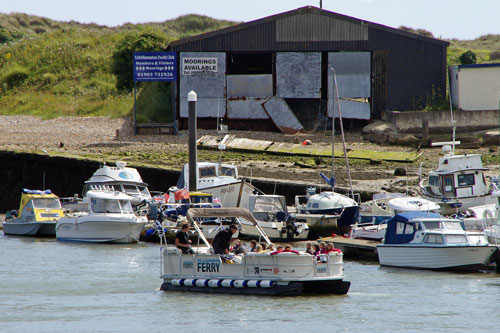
(284, 148)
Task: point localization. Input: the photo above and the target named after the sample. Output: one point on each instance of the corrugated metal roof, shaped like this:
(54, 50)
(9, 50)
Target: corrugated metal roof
(316, 25)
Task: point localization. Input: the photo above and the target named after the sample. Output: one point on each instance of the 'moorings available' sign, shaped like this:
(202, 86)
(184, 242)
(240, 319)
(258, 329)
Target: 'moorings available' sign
(155, 66)
(197, 65)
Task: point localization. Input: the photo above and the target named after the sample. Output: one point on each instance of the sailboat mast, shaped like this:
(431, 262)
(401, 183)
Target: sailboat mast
(341, 132)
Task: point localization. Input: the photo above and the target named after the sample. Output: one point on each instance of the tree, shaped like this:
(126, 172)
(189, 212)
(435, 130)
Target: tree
(468, 58)
(122, 59)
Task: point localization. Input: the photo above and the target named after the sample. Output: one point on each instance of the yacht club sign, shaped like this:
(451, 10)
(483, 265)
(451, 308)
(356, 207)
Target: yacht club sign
(198, 65)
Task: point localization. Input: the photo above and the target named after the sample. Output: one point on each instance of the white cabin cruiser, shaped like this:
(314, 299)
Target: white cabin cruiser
(418, 240)
(109, 218)
(119, 178)
(458, 183)
(272, 213)
(219, 179)
(267, 273)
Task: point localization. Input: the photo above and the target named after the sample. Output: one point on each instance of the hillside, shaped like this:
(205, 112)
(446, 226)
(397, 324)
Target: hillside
(50, 68)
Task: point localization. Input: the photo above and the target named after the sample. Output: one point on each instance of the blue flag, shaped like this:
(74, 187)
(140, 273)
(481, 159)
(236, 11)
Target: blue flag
(329, 181)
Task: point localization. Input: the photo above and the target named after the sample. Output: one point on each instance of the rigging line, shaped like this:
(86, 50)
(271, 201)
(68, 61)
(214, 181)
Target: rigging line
(342, 133)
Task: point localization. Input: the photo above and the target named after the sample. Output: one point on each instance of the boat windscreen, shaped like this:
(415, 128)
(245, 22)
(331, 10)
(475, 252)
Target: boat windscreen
(144, 190)
(126, 207)
(130, 189)
(51, 203)
(105, 206)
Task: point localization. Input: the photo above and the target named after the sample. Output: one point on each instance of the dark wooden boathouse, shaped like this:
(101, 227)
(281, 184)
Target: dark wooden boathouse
(278, 72)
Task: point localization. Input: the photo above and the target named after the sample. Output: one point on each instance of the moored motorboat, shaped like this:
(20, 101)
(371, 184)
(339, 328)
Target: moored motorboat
(267, 273)
(272, 213)
(222, 180)
(458, 183)
(109, 218)
(325, 205)
(37, 215)
(429, 241)
(396, 205)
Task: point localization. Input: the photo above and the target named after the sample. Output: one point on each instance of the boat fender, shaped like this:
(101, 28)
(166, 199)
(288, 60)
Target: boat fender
(202, 283)
(240, 283)
(177, 282)
(190, 282)
(227, 283)
(253, 283)
(266, 284)
(214, 283)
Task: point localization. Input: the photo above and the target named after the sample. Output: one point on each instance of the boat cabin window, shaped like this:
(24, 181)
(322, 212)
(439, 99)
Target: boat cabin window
(434, 180)
(432, 225)
(51, 203)
(130, 189)
(404, 229)
(207, 172)
(466, 180)
(452, 225)
(456, 239)
(448, 183)
(230, 172)
(111, 206)
(312, 205)
(105, 187)
(143, 190)
(477, 239)
(433, 239)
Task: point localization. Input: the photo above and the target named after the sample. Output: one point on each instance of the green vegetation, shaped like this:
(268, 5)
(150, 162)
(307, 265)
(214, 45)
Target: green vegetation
(50, 68)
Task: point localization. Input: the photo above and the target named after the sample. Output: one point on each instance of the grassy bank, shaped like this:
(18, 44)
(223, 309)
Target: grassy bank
(50, 68)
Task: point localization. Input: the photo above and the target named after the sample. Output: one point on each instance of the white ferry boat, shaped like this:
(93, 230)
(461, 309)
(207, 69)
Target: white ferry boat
(267, 273)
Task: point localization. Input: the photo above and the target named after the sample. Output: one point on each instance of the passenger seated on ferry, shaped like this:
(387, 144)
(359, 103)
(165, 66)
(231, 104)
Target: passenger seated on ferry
(280, 248)
(330, 248)
(221, 241)
(239, 247)
(259, 249)
(264, 245)
(271, 247)
(182, 239)
(322, 247)
(288, 248)
(253, 245)
(316, 249)
(309, 248)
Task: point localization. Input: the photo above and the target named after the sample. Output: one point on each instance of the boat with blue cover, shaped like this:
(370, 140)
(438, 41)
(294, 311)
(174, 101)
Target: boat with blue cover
(266, 273)
(429, 241)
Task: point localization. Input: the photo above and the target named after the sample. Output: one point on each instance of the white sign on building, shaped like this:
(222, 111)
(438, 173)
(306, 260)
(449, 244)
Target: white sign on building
(197, 65)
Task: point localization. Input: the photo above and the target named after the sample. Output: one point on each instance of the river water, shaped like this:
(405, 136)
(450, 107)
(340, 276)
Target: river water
(49, 286)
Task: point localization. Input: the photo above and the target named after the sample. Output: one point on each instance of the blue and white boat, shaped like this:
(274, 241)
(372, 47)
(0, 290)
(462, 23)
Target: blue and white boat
(428, 241)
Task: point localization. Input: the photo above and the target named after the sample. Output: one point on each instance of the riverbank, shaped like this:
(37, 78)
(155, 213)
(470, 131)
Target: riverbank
(107, 139)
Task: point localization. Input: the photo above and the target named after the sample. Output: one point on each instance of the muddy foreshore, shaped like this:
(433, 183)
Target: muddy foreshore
(105, 139)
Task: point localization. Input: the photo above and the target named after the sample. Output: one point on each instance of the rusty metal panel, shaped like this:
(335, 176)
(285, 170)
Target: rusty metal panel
(210, 86)
(313, 27)
(246, 108)
(351, 109)
(353, 71)
(250, 85)
(282, 116)
(206, 107)
(298, 74)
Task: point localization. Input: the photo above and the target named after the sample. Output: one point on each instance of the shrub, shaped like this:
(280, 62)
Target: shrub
(122, 59)
(48, 78)
(494, 55)
(16, 77)
(468, 58)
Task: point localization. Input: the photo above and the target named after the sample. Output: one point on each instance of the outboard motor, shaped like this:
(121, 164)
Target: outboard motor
(291, 227)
